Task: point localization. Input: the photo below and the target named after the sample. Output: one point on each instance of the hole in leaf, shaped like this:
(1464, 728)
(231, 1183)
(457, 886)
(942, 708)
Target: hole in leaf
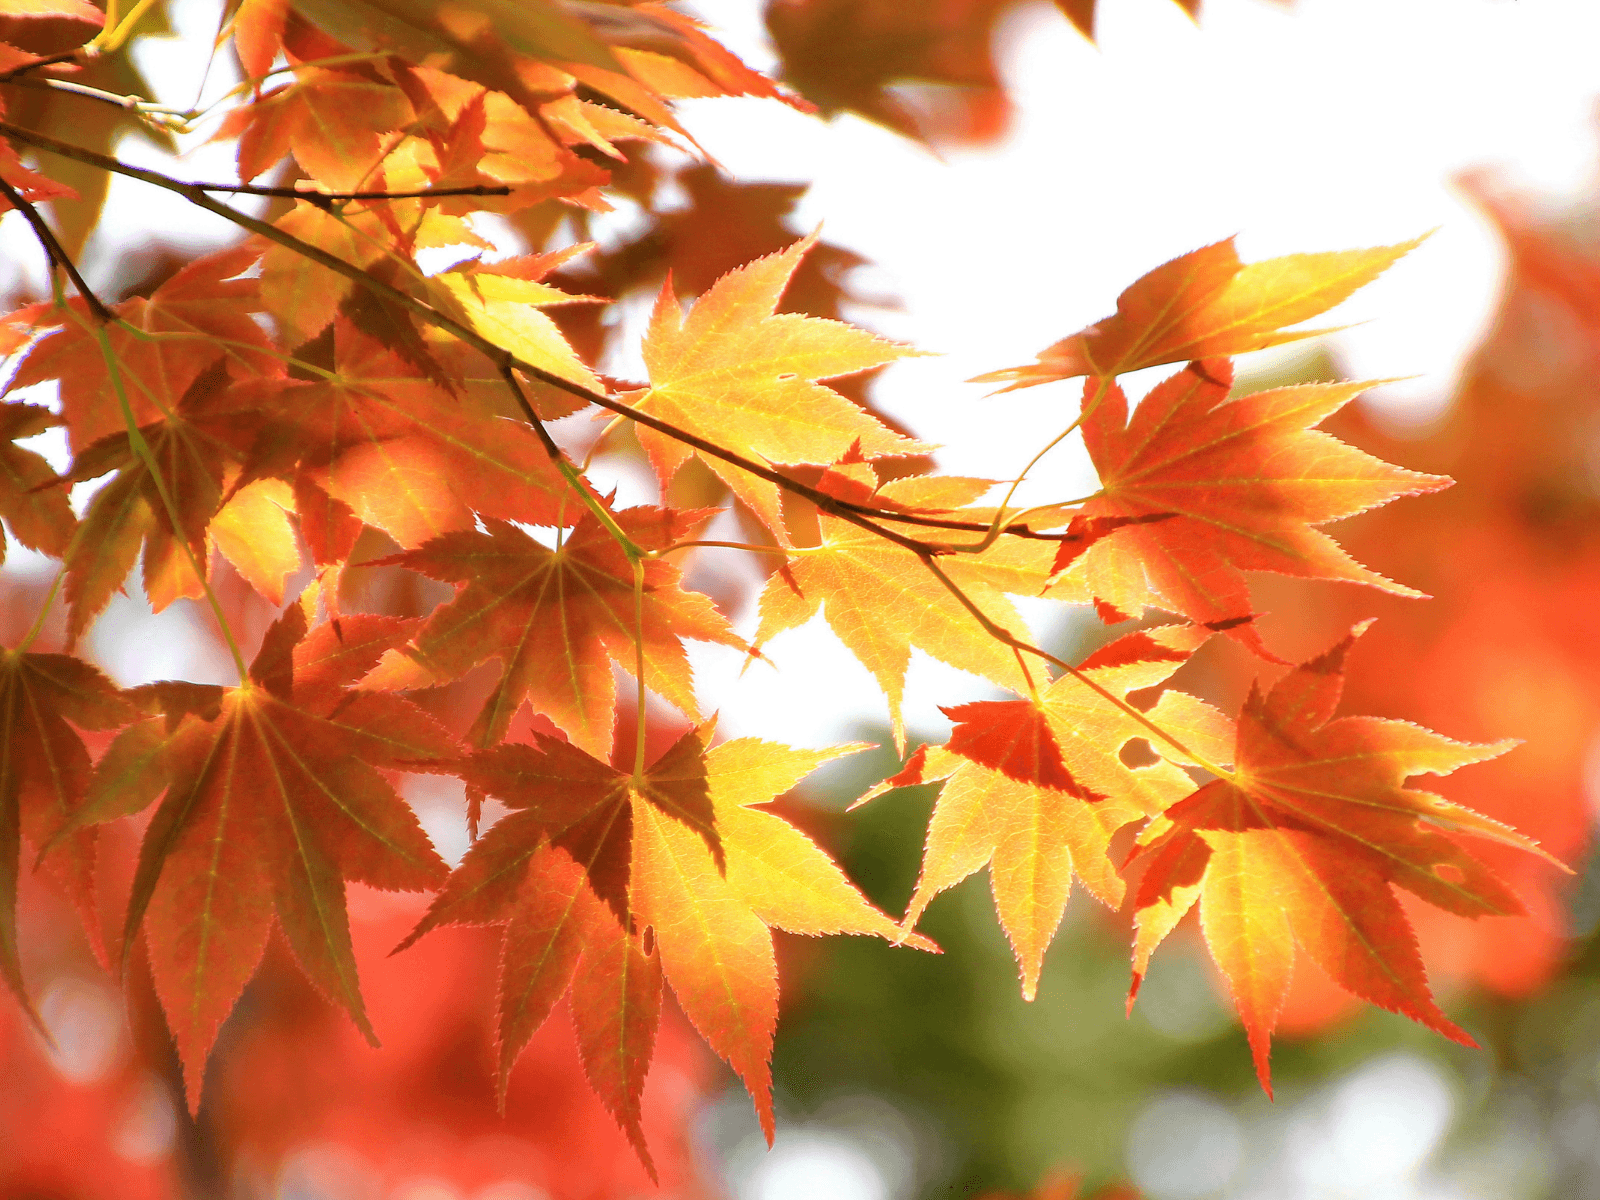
(1137, 753)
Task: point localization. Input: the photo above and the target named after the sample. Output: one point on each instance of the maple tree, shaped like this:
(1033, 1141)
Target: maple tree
(298, 429)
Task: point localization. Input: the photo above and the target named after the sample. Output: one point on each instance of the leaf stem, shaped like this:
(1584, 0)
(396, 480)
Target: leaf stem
(161, 114)
(116, 32)
(1101, 383)
(1022, 664)
(695, 543)
(594, 447)
(993, 531)
(638, 672)
(37, 627)
(603, 514)
(141, 449)
(255, 81)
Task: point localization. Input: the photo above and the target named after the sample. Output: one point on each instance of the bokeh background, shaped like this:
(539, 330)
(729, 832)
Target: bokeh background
(986, 180)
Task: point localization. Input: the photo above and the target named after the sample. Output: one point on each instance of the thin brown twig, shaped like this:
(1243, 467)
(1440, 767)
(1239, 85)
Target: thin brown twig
(477, 189)
(54, 251)
(568, 471)
(1017, 529)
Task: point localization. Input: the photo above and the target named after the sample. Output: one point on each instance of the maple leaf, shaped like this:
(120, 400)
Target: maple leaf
(1035, 790)
(489, 41)
(253, 531)
(29, 184)
(502, 302)
(1197, 487)
(671, 54)
(332, 121)
(557, 619)
(399, 452)
(590, 858)
(740, 375)
(860, 55)
(303, 296)
(44, 774)
(204, 304)
(1207, 304)
(40, 520)
(195, 448)
(258, 35)
(725, 224)
(856, 577)
(1302, 845)
(273, 797)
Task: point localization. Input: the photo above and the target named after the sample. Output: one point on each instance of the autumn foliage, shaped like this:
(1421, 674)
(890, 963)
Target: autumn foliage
(344, 456)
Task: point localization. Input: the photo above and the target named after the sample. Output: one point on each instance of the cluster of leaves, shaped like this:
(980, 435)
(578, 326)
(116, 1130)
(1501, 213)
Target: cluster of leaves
(312, 405)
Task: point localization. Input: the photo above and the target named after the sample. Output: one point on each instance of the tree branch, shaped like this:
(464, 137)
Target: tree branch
(53, 250)
(322, 198)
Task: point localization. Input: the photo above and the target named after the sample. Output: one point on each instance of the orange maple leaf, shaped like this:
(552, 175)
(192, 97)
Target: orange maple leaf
(557, 619)
(1038, 816)
(397, 451)
(858, 579)
(333, 121)
(504, 42)
(44, 775)
(1197, 487)
(303, 296)
(744, 377)
(197, 445)
(273, 798)
(29, 184)
(40, 520)
(202, 315)
(1207, 304)
(1300, 846)
(610, 880)
(874, 56)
